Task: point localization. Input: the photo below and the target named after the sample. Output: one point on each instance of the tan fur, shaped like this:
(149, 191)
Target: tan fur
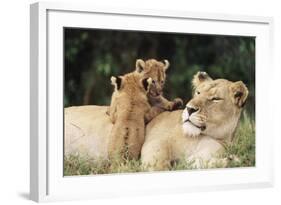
(170, 136)
(128, 109)
(87, 129)
(156, 70)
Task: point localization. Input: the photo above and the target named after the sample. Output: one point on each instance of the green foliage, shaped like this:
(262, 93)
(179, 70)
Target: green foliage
(92, 56)
(241, 154)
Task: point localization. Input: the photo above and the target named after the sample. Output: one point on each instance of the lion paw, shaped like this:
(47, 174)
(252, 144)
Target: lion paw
(177, 103)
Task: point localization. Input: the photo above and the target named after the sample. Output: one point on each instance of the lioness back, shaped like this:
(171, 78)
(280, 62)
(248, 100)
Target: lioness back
(86, 131)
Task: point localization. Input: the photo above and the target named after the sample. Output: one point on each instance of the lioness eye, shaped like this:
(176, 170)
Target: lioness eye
(216, 99)
(153, 81)
(197, 92)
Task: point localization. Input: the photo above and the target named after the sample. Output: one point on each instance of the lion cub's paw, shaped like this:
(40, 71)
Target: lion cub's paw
(177, 103)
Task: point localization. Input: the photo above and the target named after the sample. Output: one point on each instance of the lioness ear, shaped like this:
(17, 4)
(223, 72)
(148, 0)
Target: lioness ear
(239, 93)
(166, 64)
(199, 78)
(146, 83)
(140, 65)
(116, 81)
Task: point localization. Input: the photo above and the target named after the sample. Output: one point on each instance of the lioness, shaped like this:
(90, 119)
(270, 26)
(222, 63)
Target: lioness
(199, 132)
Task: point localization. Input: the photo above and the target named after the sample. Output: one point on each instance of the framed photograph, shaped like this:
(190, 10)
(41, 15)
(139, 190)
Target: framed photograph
(128, 102)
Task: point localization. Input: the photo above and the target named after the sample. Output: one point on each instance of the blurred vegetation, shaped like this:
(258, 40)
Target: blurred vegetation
(91, 56)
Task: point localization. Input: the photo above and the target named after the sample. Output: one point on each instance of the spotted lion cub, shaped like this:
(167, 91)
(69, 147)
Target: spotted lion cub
(128, 111)
(156, 70)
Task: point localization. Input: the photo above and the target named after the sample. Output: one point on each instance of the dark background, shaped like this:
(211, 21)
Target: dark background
(92, 56)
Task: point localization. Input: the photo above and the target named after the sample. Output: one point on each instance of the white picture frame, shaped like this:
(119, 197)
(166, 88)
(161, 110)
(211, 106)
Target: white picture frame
(46, 141)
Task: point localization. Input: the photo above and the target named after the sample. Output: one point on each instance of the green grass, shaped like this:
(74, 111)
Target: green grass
(77, 165)
(243, 145)
(243, 148)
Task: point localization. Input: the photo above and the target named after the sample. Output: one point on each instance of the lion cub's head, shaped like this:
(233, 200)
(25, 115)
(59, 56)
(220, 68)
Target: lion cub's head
(215, 107)
(131, 83)
(156, 70)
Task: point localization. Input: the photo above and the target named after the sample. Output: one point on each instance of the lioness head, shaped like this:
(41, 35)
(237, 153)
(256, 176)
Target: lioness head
(156, 70)
(215, 107)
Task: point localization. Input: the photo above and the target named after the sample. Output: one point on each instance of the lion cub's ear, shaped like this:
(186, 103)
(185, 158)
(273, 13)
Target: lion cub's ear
(146, 83)
(166, 64)
(199, 78)
(239, 93)
(140, 65)
(116, 82)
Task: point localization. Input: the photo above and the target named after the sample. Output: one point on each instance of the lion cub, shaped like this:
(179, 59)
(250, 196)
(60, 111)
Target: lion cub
(128, 111)
(156, 70)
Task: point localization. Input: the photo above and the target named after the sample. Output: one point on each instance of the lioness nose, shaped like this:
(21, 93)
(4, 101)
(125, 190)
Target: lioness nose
(191, 110)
